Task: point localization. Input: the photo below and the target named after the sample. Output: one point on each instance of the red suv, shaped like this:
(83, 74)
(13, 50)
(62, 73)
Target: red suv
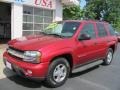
(61, 48)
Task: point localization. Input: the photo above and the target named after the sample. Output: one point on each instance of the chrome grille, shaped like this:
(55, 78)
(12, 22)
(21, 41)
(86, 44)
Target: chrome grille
(15, 53)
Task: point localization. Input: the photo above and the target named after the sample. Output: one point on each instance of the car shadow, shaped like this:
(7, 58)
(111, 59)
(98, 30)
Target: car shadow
(25, 82)
(21, 80)
(37, 84)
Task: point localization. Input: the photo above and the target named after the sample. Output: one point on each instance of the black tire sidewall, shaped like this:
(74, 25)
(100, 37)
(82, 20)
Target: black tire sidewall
(50, 81)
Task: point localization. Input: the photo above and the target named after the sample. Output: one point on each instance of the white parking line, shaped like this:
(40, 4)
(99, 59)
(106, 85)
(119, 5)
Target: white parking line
(113, 66)
(93, 84)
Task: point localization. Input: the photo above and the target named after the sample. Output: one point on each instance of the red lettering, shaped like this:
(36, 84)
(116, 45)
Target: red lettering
(37, 2)
(49, 4)
(43, 3)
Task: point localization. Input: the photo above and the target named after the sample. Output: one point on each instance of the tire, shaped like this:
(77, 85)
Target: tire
(109, 57)
(58, 73)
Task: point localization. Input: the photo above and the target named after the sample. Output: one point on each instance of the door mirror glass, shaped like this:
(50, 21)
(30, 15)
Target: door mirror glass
(84, 37)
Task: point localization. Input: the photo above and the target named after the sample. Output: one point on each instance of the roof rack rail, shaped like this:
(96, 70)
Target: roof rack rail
(95, 20)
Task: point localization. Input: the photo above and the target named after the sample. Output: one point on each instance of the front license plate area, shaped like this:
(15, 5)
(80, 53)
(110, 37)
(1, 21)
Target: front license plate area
(8, 65)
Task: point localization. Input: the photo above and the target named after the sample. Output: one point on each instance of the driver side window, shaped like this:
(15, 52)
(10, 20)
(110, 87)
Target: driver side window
(88, 28)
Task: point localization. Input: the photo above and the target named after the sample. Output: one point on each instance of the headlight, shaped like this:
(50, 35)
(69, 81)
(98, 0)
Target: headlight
(32, 56)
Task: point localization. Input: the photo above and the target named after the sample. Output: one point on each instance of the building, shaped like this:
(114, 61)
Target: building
(25, 17)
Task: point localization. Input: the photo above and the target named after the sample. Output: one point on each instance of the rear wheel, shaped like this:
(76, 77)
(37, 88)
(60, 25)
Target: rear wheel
(58, 73)
(109, 57)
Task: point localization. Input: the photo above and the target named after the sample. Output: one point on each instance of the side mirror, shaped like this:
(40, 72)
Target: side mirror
(84, 37)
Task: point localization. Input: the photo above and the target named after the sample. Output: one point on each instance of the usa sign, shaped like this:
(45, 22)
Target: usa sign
(50, 4)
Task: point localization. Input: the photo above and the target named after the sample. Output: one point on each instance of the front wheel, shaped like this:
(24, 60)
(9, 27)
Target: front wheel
(109, 57)
(58, 73)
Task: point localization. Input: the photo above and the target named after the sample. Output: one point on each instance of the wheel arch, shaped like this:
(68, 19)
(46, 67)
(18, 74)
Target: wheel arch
(113, 47)
(67, 56)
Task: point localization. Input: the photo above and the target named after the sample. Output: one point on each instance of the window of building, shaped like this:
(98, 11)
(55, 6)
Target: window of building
(101, 30)
(35, 19)
(88, 29)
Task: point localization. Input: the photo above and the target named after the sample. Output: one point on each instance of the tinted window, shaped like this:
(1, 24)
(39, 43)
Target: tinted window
(70, 27)
(64, 29)
(111, 30)
(89, 29)
(101, 30)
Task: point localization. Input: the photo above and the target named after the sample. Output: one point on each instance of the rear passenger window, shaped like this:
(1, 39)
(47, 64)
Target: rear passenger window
(111, 30)
(101, 30)
(88, 29)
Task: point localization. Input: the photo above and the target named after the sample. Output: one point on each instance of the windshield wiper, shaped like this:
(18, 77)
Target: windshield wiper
(58, 35)
(54, 34)
(43, 33)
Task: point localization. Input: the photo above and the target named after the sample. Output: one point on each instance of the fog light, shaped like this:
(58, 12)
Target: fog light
(28, 73)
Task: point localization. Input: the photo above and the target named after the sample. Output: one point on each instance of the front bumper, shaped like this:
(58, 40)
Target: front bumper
(28, 70)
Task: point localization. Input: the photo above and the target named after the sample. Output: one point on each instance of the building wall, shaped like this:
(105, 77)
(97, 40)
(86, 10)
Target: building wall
(58, 11)
(17, 18)
(17, 12)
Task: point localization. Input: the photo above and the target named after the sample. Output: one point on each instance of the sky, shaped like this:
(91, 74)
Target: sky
(82, 3)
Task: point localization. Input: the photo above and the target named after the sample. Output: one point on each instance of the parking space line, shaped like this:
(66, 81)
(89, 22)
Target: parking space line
(93, 84)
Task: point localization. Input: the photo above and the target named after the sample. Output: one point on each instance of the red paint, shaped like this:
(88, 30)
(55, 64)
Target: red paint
(37, 2)
(81, 51)
(44, 3)
(49, 4)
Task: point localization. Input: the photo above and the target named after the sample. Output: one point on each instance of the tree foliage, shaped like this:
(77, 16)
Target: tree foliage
(108, 10)
(72, 13)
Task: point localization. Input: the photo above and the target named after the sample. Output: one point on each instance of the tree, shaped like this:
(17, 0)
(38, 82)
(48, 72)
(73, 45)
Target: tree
(72, 13)
(108, 10)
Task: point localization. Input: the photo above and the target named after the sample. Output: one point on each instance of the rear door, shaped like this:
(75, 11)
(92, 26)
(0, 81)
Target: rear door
(102, 40)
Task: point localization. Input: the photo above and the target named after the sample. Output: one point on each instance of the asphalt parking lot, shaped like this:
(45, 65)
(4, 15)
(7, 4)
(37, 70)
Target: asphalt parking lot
(98, 78)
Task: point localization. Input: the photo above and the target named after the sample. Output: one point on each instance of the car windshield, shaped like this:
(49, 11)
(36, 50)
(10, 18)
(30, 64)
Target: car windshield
(62, 29)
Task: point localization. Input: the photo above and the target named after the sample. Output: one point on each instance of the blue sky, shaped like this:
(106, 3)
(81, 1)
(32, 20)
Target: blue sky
(82, 3)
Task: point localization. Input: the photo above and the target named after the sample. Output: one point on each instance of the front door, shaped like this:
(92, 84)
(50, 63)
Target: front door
(86, 49)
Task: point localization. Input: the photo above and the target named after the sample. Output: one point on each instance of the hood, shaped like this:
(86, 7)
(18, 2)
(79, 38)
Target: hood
(33, 42)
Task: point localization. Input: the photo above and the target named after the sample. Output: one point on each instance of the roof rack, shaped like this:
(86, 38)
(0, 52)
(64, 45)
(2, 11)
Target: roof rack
(95, 20)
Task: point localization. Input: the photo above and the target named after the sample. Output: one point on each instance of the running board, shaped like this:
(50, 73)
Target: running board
(88, 66)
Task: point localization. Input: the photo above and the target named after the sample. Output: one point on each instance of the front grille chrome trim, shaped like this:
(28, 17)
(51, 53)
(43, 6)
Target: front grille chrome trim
(15, 53)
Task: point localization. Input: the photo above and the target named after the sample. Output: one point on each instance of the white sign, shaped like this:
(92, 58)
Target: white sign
(49, 4)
